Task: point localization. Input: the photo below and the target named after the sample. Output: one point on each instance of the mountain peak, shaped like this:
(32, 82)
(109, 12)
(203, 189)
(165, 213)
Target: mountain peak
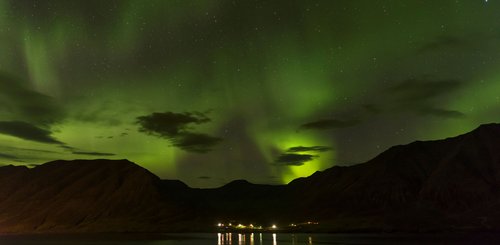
(123, 162)
(237, 184)
(93, 164)
(489, 127)
(426, 185)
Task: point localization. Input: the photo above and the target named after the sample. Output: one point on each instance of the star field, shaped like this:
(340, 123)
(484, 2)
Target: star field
(268, 91)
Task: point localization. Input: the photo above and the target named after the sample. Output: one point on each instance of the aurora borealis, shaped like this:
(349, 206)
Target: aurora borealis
(268, 91)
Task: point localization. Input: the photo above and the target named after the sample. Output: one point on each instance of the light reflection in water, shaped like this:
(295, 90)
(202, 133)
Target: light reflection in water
(241, 239)
(263, 239)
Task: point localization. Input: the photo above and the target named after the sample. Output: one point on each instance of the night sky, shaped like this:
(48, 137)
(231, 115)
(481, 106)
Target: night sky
(268, 91)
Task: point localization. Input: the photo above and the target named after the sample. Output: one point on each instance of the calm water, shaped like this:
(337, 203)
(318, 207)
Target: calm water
(258, 239)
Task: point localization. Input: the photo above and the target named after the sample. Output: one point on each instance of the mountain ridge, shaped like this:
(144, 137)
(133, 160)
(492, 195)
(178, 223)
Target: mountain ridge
(439, 185)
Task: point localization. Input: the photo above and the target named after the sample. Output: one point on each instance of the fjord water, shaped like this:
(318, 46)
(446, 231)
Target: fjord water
(254, 239)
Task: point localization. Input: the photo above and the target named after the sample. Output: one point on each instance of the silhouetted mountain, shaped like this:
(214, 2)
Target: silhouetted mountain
(75, 196)
(432, 185)
(438, 185)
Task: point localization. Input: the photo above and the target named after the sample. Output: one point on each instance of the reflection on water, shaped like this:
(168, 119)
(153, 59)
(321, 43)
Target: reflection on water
(355, 239)
(256, 239)
(244, 239)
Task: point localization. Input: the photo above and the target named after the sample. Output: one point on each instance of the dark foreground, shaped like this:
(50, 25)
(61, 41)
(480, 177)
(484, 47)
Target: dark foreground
(432, 186)
(256, 239)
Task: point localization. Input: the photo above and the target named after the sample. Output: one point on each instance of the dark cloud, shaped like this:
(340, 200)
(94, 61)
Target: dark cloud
(326, 124)
(442, 113)
(23, 155)
(27, 131)
(309, 149)
(8, 156)
(299, 155)
(194, 142)
(100, 154)
(170, 124)
(412, 90)
(178, 129)
(29, 114)
(290, 159)
(417, 96)
(76, 151)
(11, 157)
(67, 147)
(10, 148)
(443, 42)
(21, 103)
(39, 151)
(371, 108)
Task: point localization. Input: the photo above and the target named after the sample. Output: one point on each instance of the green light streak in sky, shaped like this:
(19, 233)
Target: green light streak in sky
(275, 142)
(39, 63)
(93, 137)
(258, 69)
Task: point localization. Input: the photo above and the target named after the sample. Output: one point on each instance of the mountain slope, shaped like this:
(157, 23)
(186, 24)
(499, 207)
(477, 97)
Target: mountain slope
(448, 184)
(444, 184)
(80, 195)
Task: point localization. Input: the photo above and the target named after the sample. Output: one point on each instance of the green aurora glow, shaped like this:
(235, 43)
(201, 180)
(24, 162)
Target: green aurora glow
(354, 76)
